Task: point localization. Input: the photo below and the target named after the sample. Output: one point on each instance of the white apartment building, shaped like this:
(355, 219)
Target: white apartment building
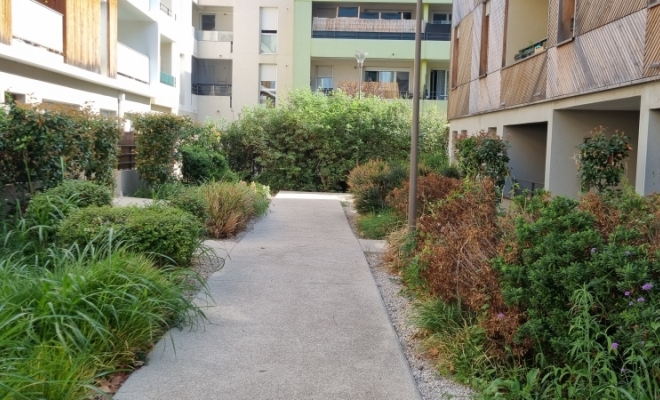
(186, 57)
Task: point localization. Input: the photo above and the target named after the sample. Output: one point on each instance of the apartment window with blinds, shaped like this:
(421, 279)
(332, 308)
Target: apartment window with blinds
(401, 78)
(324, 78)
(268, 25)
(442, 18)
(566, 20)
(485, 26)
(267, 83)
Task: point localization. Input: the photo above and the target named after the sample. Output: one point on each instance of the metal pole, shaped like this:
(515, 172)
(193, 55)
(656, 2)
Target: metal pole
(360, 83)
(414, 145)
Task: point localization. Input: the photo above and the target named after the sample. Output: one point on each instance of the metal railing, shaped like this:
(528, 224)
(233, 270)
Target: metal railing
(431, 36)
(166, 10)
(167, 79)
(203, 89)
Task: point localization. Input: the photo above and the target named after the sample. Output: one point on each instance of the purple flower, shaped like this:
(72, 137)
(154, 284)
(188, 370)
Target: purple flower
(630, 304)
(640, 300)
(500, 315)
(627, 253)
(615, 345)
(627, 293)
(643, 342)
(593, 250)
(623, 370)
(647, 287)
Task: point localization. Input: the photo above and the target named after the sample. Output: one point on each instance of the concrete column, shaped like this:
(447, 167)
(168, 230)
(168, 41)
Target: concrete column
(648, 167)
(425, 12)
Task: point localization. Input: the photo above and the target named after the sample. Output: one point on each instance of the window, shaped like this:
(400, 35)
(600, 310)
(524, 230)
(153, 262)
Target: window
(485, 26)
(326, 12)
(108, 113)
(208, 22)
(442, 18)
(407, 15)
(390, 15)
(268, 23)
(454, 65)
(369, 15)
(566, 20)
(324, 78)
(16, 97)
(349, 12)
(267, 83)
(438, 85)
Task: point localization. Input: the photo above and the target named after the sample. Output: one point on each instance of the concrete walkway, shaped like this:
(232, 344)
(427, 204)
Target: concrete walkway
(297, 315)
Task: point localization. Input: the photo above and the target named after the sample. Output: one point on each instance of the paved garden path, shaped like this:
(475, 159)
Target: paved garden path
(297, 315)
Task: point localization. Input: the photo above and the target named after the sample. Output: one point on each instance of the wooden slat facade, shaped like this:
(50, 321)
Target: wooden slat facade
(5, 21)
(592, 14)
(652, 54)
(82, 34)
(617, 43)
(112, 38)
(525, 82)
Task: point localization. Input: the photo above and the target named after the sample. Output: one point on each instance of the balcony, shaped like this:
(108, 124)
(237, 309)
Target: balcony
(167, 79)
(214, 44)
(376, 29)
(132, 64)
(211, 90)
(38, 25)
(167, 10)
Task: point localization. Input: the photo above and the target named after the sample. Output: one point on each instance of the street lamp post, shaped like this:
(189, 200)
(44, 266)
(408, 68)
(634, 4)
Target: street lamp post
(360, 56)
(414, 143)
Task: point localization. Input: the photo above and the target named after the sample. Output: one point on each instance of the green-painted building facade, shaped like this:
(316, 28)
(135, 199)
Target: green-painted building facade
(328, 33)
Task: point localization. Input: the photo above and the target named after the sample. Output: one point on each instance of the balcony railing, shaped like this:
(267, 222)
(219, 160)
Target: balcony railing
(202, 89)
(167, 79)
(132, 64)
(214, 36)
(431, 36)
(167, 10)
(38, 25)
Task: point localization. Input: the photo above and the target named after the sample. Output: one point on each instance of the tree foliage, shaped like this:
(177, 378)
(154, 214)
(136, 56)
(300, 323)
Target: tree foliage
(601, 160)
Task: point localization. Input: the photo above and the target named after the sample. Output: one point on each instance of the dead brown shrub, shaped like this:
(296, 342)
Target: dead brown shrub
(430, 188)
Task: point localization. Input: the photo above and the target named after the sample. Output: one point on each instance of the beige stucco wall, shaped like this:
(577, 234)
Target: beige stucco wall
(527, 24)
(567, 128)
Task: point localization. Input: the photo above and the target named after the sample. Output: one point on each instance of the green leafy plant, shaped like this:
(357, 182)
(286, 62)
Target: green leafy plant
(231, 205)
(52, 205)
(483, 155)
(378, 225)
(601, 159)
(201, 165)
(168, 233)
(157, 141)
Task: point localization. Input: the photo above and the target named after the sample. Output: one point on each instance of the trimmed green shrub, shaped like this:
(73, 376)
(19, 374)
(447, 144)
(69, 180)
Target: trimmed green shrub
(46, 144)
(371, 182)
(157, 140)
(192, 200)
(51, 206)
(201, 165)
(311, 142)
(166, 232)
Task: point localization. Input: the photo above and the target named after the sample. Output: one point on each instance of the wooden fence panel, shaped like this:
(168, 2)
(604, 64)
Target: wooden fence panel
(489, 92)
(496, 35)
(553, 23)
(112, 38)
(82, 34)
(465, 50)
(5, 22)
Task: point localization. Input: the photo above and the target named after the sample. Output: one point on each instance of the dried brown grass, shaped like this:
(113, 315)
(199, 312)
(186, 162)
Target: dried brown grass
(230, 207)
(430, 188)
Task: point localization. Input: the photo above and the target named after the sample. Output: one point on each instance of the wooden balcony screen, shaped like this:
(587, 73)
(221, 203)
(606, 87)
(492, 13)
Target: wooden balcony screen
(5, 21)
(364, 25)
(385, 90)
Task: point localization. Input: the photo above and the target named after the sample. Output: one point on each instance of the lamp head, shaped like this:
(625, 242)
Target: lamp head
(360, 56)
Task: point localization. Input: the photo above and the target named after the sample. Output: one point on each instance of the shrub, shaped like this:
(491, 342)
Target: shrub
(483, 155)
(157, 141)
(231, 205)
(200, 165)
(192, 200)
(371, 182)
(601, 160)
(52, 205)
(430, 189)
(42, 145)
(312, 141)
(378, 225)
(166, 232)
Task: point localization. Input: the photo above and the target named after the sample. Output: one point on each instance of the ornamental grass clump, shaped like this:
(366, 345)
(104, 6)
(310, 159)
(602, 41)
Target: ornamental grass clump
(371, 182)
(231, 205)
